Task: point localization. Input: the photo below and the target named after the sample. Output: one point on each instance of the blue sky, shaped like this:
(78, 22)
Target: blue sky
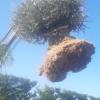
(28, 57)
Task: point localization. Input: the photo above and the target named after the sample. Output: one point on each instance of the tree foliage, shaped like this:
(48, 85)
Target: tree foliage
(5, 55)
(41, 20)
(14, 88)
(49, 93)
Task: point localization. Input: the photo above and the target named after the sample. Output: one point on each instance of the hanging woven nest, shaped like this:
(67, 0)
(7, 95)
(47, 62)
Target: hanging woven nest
(68, 55)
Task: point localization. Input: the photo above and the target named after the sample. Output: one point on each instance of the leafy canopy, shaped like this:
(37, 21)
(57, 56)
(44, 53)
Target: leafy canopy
(40, 20)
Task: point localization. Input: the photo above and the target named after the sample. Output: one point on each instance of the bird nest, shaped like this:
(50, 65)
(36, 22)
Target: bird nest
(68, 55)
(39, 20)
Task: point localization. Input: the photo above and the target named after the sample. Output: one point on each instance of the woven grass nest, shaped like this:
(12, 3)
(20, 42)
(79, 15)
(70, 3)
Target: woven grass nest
(68, 55)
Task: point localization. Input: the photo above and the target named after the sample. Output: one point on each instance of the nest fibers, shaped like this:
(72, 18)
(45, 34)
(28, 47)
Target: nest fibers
(39, 20)
(69, 55)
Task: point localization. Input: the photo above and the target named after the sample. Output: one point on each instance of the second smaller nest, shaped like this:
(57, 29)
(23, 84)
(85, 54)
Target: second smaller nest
(68, 55)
